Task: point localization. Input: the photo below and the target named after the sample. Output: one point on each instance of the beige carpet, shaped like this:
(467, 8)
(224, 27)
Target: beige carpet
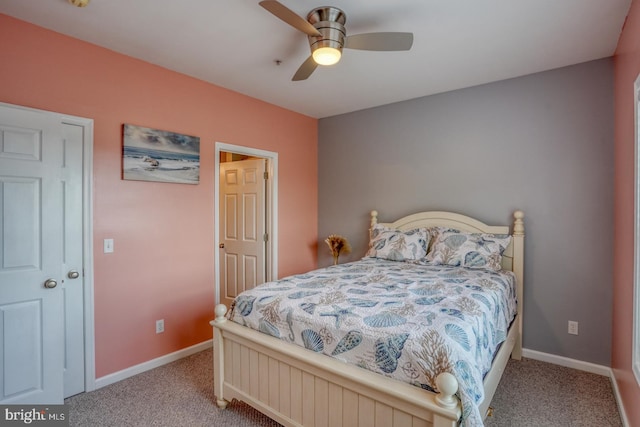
(531, 393)
(178, 394)
(539, 394)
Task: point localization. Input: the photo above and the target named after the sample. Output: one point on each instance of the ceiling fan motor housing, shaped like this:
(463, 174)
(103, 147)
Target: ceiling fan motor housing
(329, 21)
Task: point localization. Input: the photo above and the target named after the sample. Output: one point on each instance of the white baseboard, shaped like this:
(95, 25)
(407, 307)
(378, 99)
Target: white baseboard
(582, 366)
(616, 393)
(154, 363)
(568, 363)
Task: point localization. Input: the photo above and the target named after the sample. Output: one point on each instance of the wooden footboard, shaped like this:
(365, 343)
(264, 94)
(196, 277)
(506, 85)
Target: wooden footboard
(297, 387)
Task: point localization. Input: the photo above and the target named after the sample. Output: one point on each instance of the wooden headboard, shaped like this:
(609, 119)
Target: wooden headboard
(460, 222)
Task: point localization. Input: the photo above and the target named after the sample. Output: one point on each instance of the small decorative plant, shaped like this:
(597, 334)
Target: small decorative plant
(338, 245)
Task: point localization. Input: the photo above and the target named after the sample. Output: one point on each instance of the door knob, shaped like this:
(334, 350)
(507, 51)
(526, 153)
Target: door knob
(73, 274)
(50, 283)
(221, 245)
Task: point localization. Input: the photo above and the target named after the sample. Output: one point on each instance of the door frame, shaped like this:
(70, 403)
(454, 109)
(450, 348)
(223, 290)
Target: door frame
(87, 234)
(271, 200)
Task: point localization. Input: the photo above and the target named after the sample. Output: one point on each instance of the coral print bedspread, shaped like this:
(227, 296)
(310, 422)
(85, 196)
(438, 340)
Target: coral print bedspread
(402, 320)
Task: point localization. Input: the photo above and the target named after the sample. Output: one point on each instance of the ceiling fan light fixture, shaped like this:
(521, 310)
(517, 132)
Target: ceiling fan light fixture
(327, 55)
(327, 49)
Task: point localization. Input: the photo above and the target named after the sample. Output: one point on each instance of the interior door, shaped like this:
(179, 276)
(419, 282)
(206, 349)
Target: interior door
(242, 223)
(72, 273)
(37, 180)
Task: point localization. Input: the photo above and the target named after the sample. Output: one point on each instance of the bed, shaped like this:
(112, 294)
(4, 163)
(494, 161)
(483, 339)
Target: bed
(297, 386)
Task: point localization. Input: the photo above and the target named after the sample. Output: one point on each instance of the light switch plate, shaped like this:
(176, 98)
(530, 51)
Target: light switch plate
(108, 246)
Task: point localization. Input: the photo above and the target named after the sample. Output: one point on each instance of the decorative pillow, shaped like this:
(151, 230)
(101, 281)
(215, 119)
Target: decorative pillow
(396, 245)
(473, 250)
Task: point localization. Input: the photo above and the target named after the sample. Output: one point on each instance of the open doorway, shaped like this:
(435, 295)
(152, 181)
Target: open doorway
(245, 219)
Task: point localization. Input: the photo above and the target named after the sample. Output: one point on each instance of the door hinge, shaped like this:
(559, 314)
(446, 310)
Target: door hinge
(266, 175)
(266, 237)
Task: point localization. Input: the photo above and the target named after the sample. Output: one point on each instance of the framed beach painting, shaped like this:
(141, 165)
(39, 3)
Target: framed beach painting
(161, 156)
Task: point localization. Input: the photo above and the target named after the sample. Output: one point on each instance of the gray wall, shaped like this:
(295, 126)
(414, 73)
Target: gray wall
(542, 143)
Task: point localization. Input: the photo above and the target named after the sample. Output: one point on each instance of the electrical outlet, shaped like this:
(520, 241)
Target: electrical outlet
(159, 326)
(573, 327)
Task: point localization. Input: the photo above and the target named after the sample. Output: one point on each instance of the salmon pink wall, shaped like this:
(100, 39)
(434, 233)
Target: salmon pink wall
(627, 68)
(163, 234)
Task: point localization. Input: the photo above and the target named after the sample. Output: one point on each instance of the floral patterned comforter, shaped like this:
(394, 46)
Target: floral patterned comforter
(402, 320)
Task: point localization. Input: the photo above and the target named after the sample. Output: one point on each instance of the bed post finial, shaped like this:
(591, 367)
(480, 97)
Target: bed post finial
(447, 388)
(374, 218)
(518, 223)
(220, 311)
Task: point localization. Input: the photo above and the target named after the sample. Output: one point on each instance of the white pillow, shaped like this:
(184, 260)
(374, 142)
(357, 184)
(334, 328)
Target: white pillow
(396, 245)
(473, 250)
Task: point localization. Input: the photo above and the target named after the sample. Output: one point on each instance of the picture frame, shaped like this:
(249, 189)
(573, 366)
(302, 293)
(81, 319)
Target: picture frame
(160, 156)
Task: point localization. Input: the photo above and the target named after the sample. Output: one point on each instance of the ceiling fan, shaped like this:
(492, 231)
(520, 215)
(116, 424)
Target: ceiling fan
(325, 29)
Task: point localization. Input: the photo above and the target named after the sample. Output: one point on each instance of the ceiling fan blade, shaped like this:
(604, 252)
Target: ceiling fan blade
(380, 41)
(305, 70)
(290, 17)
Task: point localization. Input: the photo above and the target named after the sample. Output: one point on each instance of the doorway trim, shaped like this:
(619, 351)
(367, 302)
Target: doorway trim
(271, 200)
(87, 234)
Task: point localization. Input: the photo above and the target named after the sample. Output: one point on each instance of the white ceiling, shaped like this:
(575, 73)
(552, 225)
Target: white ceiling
(235, 43)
